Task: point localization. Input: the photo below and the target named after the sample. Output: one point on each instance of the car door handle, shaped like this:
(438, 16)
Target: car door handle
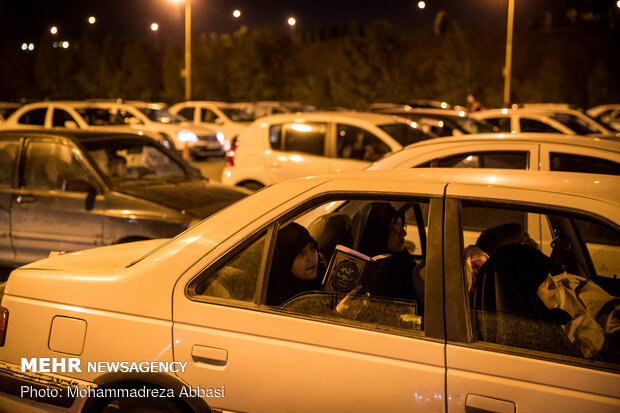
(478, 404)
(209, 355)
(26, 199)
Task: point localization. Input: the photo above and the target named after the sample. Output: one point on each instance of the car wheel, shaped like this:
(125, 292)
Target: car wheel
(252, 185)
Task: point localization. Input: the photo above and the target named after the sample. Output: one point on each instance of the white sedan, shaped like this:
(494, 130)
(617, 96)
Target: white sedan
(202, 305)
(544, 151)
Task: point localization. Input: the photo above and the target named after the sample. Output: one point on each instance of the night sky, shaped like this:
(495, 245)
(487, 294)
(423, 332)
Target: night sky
(28, 20)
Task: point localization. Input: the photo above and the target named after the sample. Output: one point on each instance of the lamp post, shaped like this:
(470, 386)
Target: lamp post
(187, 71)
(508, 66)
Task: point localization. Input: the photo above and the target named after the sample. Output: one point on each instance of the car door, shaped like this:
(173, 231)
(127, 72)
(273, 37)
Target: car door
(44, 216)
(298, 150)
(301, 356)
(533, 365)
(9, 146)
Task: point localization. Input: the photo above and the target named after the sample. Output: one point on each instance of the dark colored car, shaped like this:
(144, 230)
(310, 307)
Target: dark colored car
(66, 191)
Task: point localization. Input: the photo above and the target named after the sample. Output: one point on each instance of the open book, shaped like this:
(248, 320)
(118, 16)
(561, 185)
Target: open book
(349, 268)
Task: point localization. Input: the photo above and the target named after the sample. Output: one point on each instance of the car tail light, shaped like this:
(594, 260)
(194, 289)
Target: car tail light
(4, 321)
(230, 154)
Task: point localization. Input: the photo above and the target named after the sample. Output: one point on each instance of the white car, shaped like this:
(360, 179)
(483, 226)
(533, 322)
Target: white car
(542, 119)
(280, 147)
(228, 118)
(152, 119)
(441, 122)
(607, 115)
(534, 151)
(186, 324)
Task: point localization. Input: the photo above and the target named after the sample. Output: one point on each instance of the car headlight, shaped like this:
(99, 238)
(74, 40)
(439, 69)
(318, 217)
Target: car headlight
(187, 136)
(220, 137)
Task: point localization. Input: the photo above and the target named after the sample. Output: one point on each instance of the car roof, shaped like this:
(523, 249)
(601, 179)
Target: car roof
(608, 142)
(368, 117)
(79, 134)
(593, 186)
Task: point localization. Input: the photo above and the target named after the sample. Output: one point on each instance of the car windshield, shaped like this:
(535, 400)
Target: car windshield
(100, 116)
(237, 115)
(134, 161)
(576, 124)
(404, 133)
(159, 115)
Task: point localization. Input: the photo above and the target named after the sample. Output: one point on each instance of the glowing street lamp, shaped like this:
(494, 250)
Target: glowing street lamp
(421, 5)
(53, 30)
(188, 48)
(237, 14)
(154, 27)
(92, 20)
(291, 22)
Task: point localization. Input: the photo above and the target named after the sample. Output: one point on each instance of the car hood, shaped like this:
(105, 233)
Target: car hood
(197, 197)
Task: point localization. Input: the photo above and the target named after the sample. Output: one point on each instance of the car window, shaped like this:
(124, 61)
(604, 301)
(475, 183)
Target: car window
(300, 260)
(579, 163)
(8, 152)
(33, 117)
(100, 116)
(575, 123)
(49, 165)
(207, 115)
(308, 137)
(405, 134)
(496, 160)
(357, 143)
(502, 124)
(187, 113)
(234, 279)
(532, 125)
(547, 285)
(61, 116)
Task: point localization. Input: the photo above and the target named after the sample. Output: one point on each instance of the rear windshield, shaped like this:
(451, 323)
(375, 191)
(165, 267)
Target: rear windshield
(404, 133)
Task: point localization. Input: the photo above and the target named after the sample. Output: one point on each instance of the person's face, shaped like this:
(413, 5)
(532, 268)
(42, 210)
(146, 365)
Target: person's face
(119, 168)
(305, 264)
(549, 293)
(396, 238)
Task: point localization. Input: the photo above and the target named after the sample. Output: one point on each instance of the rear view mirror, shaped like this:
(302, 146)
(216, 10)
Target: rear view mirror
(79, 185)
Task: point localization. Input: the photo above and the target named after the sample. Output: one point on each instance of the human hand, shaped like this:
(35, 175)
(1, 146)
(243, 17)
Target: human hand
(350, 306)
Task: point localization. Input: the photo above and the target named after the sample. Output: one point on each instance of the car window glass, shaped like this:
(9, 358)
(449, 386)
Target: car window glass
(308, 137)
(393, 297)
(207, 115)
(8, 152)
(275, 136)
(496, 160)
(575, 123)
(187, 113)
(502, 124)
(61, 116)
(49, 165)
(357, 143)
(236, 278)
(33, 117)
(404, 133)
(531, 125)
(578, 163)
(554, 294)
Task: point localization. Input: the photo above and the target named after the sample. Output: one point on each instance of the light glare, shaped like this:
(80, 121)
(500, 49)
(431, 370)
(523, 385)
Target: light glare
(421, 5)
(237, 13)
(91, 19)
(54, 30)
(292, 21)
(154, 27)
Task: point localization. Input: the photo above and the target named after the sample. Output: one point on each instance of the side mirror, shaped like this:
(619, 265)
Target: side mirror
(79, 185)
(70, 124)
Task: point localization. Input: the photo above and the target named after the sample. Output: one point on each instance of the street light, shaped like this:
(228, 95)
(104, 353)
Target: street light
(188, 48)
(237, 14)
(508, 66)
(291, 22)
(154, 27)
(92, 20)
(421, 5)
(53, 30)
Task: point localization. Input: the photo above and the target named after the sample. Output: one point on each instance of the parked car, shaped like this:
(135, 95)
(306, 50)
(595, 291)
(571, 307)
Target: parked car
(441, 122)
(608, 115)
(152, 119)
(542, 119)
(228, 118)
(70, 190)
(202, 298)
(544, 151)
(281, 147)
